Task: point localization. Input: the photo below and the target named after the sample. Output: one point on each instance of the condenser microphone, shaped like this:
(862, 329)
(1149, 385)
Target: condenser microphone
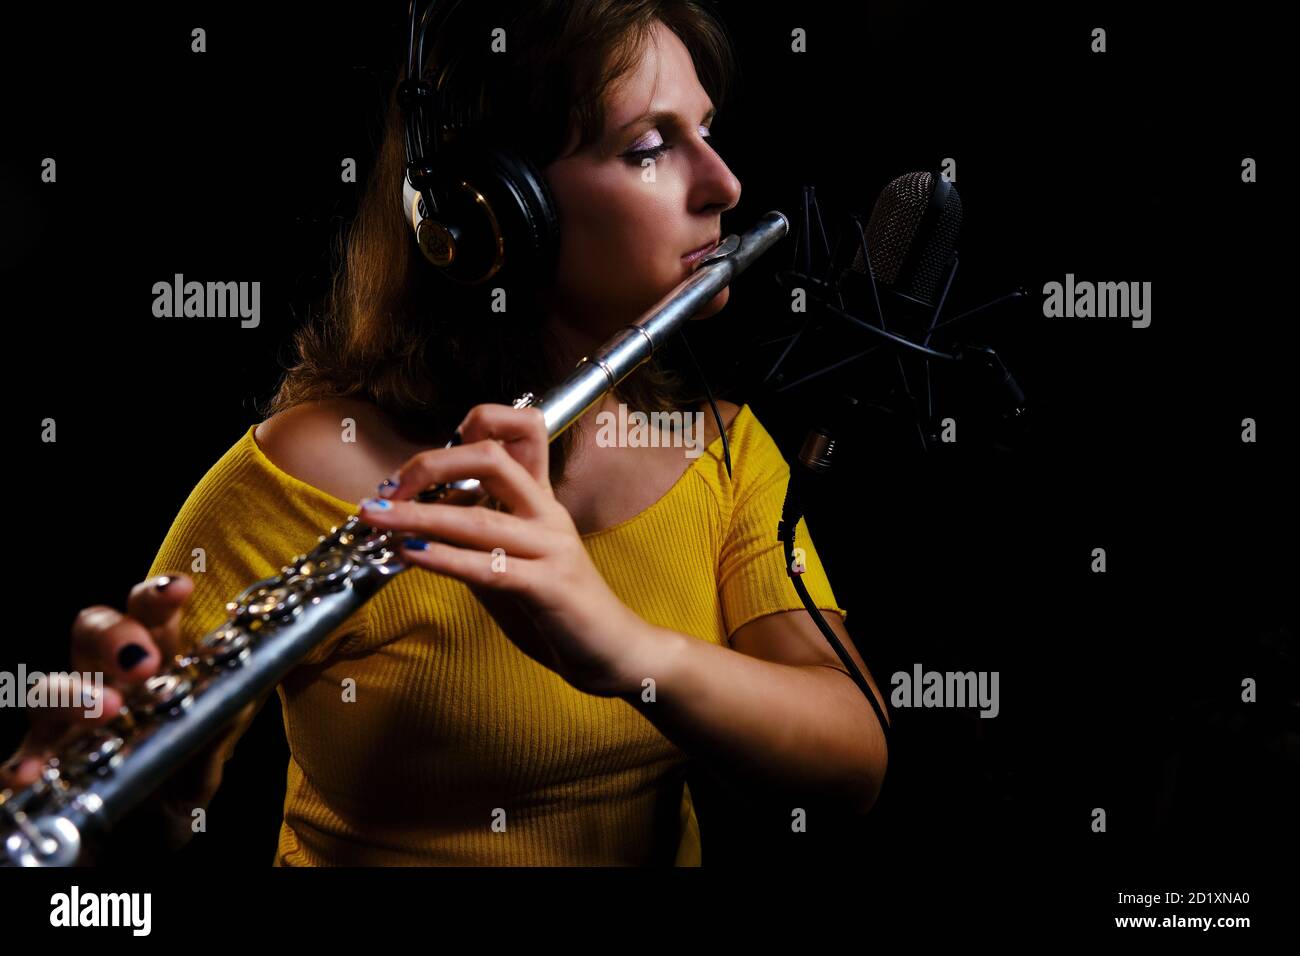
(911, 237)
(906, 249)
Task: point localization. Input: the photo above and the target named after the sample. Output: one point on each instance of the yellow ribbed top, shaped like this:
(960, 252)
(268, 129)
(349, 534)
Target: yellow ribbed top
(458, 748)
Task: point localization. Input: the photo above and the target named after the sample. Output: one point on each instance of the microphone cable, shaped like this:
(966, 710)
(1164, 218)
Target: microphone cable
(816, 457)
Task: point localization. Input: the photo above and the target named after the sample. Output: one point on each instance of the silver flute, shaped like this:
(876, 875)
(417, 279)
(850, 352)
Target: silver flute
(99, 775)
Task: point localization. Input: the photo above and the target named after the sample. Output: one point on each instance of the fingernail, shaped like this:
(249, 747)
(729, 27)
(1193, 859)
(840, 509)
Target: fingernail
(388, 486)
(375, 504)
(415, 544)
(130, 655)
(456, 439)
(103, 618)
(162, 582)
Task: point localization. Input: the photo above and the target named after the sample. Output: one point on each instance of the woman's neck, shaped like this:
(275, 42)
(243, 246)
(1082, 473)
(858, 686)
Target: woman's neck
(573, 342)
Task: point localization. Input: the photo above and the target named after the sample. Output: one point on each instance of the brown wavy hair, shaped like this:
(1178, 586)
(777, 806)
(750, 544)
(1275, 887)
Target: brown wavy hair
(424, 350)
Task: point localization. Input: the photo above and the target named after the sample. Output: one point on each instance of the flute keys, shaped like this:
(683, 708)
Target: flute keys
(16, 802)
(362, 538)
(266, 603)
(164, 694)
(96, 753)
(226, 646)
(43, 841)
(124, 724)
(327, 570)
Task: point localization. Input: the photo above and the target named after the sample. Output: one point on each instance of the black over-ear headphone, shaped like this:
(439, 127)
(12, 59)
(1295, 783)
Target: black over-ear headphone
(476, 209)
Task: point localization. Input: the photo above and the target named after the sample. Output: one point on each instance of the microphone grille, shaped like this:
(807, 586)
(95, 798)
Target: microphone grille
(909, 249)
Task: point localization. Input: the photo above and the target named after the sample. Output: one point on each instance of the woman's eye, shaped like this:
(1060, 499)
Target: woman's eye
(654, 152)
(639, 156)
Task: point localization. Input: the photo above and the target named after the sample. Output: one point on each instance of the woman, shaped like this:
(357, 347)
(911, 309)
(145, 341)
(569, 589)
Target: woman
(532, 695)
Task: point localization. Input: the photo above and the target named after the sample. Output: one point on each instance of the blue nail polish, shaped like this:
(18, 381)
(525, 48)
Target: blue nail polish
(415, 544)
(376, 504)
(387, 487)
(130, 655)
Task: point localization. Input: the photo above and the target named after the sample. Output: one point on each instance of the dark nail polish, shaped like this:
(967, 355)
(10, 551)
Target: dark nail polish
(415, 544)
(130, 655)
(456, 439)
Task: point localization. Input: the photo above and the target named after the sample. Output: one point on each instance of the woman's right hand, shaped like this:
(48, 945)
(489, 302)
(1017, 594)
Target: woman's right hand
(127, 649)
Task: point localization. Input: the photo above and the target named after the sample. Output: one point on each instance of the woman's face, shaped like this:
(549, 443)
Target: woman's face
(635, 202)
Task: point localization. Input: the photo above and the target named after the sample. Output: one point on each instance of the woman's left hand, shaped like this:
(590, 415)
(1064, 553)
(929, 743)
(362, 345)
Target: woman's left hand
(543, 591)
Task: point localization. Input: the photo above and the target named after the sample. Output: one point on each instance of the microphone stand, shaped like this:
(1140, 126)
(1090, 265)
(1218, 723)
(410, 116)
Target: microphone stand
(817, 454)
(826, 285)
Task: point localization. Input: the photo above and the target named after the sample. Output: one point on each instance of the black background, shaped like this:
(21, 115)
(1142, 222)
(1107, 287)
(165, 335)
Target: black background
(1119, 690)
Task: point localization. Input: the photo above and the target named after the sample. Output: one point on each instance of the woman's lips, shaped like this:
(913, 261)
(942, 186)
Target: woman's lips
(697, 253)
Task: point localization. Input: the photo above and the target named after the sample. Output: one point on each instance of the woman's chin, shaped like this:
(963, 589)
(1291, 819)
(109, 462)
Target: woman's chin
(714, 305)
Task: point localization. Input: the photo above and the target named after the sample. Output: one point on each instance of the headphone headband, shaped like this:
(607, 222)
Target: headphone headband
(474, 208)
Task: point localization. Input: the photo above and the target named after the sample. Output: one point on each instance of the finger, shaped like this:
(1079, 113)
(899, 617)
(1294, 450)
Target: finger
(495, 572)
(24, 767)
(104, 639)
(59, 702)
(523, 430)
(156, 603)
(49, 725)
(473, 527)
(498, 472)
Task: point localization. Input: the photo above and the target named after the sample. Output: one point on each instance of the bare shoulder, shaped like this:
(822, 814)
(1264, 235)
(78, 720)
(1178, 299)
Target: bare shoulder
(343, 446)
(728, 411)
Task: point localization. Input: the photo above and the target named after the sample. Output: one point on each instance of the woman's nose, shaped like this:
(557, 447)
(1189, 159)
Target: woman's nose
(715, 183)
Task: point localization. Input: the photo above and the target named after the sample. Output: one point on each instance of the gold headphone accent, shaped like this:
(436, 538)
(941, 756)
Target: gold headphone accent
(438, 243)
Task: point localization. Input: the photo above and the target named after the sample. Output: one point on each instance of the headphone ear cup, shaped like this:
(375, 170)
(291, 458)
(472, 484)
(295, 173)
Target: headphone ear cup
(537, 242)
(498, 210)
(412, 205)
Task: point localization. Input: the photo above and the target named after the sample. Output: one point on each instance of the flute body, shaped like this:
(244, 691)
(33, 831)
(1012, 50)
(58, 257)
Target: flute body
(99, 776)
